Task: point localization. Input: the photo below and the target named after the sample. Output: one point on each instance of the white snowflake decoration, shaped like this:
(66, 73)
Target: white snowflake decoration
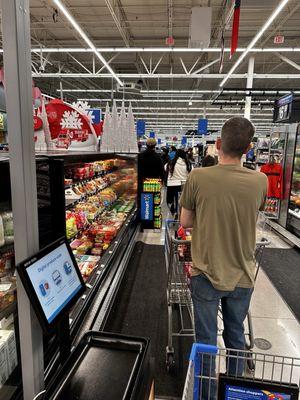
(71, 120)
(82, 106)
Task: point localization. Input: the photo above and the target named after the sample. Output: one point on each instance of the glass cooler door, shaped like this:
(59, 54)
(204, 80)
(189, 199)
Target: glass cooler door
(293, 222)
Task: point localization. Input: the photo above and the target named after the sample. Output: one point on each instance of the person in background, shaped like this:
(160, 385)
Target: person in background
(172, 153)
(209, 161)
(221, 204)
(149, 163)
(178, 170)
(165, 155)
(190, 155)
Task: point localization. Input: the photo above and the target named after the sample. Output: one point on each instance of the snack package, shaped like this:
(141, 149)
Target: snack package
(2, 240)
(8, 227)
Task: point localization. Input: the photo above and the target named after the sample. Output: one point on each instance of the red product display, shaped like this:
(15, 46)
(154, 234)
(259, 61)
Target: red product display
(274, 173)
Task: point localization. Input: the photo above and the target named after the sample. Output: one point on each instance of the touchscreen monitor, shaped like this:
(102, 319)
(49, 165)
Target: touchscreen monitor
(53, 282)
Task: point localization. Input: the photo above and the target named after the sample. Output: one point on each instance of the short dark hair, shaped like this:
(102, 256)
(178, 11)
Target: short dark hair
(208, 161)
(237, 133)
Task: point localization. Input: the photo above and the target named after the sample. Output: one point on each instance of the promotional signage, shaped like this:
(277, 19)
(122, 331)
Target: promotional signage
(95, 114)
(152, 134)
(147, 206)
(202, 126)
(140, 127)
(279, 39)
(287, 109)
(158, 140)
(238, 393)
(184, 140)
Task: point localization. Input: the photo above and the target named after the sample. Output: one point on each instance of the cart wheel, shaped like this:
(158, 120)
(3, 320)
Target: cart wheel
(170, 363)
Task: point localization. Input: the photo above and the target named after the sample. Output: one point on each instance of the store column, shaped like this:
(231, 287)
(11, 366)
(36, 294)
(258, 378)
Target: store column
(249, 86)
(18, 90)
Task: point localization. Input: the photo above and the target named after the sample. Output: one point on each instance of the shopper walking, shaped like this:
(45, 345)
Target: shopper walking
(177, 171)
(149, 163)
(172, 153)
(221, 203)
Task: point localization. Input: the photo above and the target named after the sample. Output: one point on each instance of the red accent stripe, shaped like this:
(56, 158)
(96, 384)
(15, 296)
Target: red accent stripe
(235, 28)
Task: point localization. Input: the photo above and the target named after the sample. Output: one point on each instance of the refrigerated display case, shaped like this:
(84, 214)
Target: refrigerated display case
(10, 373)
(99, 193)
(293, 218)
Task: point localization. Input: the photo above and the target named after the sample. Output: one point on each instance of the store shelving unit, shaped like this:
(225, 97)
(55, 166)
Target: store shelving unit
(293, 220)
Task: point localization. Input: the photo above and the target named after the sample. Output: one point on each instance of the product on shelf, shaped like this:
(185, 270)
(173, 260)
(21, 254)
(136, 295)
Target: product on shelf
(100, 195)
(272, 207)
(7, 293)
(152, 185)
(87, 264)
(8, 227)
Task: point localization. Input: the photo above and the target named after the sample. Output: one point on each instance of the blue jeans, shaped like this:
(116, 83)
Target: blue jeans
(235, 306)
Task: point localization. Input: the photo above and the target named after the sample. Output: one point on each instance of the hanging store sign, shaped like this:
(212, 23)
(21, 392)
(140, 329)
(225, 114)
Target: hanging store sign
(279, 39)
(158, 141)
(184, 140)
(140, 127)
(147, 206)
(152, 134)
(202, 126)
(287, 109)
(95, 114)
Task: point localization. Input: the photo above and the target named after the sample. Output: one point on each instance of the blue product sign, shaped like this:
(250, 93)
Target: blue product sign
(158, 140)
(240, 393)
(202, 126)
(140, 127)
(147, 205)
(96, 114)
(152, 134)
(184, 140)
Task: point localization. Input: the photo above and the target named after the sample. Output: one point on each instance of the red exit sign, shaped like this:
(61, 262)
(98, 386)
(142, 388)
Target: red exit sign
(279, 39)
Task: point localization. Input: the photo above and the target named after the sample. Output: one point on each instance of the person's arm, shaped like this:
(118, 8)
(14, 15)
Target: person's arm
(187, 203)
(187, 218)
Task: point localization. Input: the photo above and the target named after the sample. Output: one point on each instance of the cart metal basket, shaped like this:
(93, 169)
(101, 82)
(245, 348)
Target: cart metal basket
(178, 262)
(271, 370)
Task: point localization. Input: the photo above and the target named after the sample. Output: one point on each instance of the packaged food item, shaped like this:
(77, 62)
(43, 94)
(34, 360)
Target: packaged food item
(8, 227)
(2, 240)
(9, 339)
(7, 294)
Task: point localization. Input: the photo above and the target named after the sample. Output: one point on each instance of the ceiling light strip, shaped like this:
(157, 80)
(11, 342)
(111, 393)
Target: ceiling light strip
(84, 36)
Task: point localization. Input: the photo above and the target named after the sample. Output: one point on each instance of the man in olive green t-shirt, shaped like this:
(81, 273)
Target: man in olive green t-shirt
(221, 203)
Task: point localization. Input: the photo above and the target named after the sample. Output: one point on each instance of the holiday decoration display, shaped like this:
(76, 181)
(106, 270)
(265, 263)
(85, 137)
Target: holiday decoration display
(119, 133)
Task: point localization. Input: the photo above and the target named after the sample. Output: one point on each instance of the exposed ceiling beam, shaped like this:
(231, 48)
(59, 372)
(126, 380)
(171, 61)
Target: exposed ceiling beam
(288, 61)
(119, 20)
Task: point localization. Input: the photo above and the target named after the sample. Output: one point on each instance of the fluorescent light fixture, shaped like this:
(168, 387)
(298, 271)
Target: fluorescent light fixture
(84, 36)
(259, 34)
(157, 49)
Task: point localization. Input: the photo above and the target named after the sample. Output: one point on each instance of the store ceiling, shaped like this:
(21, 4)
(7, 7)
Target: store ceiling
(137, 24)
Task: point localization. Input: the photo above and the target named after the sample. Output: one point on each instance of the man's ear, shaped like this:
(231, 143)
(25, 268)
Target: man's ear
(218, 143)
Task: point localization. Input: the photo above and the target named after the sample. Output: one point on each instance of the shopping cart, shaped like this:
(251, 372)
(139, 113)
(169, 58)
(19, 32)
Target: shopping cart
(178, 263)
(275, 377)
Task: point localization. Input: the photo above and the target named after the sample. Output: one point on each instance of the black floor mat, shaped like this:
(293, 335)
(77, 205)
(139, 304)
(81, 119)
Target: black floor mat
(283, 269)
(141, 310)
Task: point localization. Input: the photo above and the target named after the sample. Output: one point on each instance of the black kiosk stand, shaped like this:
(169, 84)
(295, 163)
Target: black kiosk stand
(103, 365)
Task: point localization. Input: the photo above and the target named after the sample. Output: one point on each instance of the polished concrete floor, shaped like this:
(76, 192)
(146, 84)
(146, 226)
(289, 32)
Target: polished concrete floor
(271, 317)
